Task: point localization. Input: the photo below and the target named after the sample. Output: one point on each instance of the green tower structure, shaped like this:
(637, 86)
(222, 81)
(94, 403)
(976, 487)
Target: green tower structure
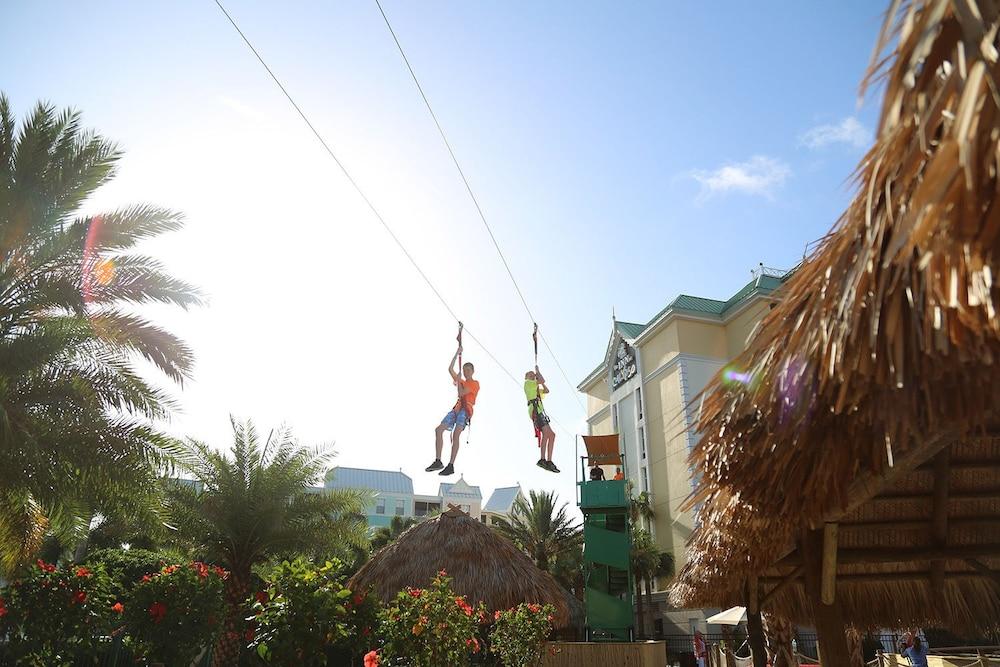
(607, 544)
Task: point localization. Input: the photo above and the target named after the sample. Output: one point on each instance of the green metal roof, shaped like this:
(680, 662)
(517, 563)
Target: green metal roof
(763, 284)
(629, 329)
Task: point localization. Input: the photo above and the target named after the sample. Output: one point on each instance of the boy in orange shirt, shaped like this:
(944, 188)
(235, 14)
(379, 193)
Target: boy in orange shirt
(459, 416)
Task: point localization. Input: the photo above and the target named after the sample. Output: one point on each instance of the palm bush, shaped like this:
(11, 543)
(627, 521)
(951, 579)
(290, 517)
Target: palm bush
(76, 416)
(540, 528)
(255, 504)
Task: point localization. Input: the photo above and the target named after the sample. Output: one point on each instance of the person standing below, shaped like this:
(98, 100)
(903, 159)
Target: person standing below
(534, 391)
(700, 650)
(459, 416)
(916, 653)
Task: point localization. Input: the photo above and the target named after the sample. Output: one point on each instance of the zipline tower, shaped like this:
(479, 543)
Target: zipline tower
(607, 544)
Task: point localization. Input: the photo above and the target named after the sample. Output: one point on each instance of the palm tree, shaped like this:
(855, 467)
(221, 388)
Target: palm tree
(257, 503)
(76, 429)
(645, 561)
(387, 534)
(539, 529)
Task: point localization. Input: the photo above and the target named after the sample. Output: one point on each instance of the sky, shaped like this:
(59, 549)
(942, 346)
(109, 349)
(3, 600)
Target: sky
(623, 153)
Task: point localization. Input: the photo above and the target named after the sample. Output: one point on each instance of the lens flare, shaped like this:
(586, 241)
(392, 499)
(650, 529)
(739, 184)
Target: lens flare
(93, 269)
(734, 376)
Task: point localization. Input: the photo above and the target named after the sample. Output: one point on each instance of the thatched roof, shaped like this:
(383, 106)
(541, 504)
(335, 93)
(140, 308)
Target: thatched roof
(484, 566)
(884, 348)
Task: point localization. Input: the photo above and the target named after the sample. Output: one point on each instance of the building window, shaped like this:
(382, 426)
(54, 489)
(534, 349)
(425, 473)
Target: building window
(380, 506)
(645, 480)
(642, 443)
(400, 507)
(638, 403)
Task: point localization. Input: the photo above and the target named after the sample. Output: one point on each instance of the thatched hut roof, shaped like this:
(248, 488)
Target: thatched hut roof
(882, 353)
(484, 566)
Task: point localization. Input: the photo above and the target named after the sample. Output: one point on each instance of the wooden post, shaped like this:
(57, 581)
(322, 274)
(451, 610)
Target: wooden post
(830, 627)
(939, 518)
(755, 624)
(828, 591)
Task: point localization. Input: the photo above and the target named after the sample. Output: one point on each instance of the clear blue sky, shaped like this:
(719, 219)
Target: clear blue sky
(624, 153)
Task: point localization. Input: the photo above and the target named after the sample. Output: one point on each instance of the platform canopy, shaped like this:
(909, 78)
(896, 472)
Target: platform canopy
(603, 449)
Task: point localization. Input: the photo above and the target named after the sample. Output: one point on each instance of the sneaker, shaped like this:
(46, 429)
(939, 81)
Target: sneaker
(542, 463)
(448, 470)
(549, 465)
(437, 465)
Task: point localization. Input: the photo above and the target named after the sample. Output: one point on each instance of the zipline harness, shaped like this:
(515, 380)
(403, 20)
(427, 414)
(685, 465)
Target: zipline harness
(538, 416)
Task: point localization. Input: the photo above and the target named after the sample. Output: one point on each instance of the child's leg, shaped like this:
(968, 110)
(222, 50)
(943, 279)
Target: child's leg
(455, 441)
(548, 441)
(439, 440)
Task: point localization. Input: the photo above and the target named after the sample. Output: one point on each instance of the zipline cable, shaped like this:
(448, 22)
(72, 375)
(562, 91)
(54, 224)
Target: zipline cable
(371, 206)
(475, 201)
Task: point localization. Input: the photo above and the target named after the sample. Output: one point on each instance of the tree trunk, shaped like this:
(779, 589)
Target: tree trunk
(649, 600)
(779, 634)
(230, 643)
(640, 614)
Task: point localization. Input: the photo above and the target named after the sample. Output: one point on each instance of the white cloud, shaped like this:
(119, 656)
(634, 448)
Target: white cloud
(848, 131)
(759, 175)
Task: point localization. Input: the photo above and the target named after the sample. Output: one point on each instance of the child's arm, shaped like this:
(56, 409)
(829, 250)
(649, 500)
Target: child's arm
(451, 366)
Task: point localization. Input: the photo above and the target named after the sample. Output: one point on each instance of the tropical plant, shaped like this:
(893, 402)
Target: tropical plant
(126, 567)
(255, 504)
(518, 635)
(56, 615)
(386, 535)
(75, 430)
(645, 562)
(541, 530)
(173, 615)
(430, 627)
(307, 616)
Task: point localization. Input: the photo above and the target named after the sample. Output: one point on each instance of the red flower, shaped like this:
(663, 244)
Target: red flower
(473, 643)
(551, 618)
(262, 597)
(463, 605)
(358, 599)
(83, 572)
(45, 567)
(170, 569)
(200, 568)
(219, 571)
(415, 592)
(79, 597)
(248, 635)
(496, 615)
(442, 573)
(3, 608)
(146, 578)
(371, 659)
(534, 607)
(157, 611)
(117, 608)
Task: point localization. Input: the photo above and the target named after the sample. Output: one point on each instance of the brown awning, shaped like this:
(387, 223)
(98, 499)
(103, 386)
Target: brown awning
(603, 449)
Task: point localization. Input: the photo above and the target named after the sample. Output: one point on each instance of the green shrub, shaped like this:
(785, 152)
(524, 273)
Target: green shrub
(172, 615)
(57, 616)
(430, 627)
(126, 567)
(519, 634)
(306, 616)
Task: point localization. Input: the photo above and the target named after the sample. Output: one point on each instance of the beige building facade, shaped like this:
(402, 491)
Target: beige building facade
(644, 390)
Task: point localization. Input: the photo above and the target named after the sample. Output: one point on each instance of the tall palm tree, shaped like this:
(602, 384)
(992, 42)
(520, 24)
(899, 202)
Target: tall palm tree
(386, 535)
(76, 417)
(645, 561)
(257, 503)
(540, 529)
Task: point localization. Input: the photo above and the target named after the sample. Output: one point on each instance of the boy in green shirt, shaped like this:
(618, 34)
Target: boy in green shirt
(534, 390)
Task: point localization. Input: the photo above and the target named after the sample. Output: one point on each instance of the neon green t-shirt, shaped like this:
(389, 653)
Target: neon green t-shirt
(531, 392)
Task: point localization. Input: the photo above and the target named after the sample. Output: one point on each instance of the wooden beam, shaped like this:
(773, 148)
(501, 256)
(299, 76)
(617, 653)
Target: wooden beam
(991, 493)
(983, 569)
(939, 516)
(755, 624)
(985, 465)
(903, 554)
(782, 584)
(921, 575)
(971, 522)
(828, 590)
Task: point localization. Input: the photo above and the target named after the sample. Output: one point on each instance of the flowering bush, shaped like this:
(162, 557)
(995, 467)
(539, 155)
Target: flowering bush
(429, 627)
(174, 614)
(518, 635)
(55, 615)
(307, 616)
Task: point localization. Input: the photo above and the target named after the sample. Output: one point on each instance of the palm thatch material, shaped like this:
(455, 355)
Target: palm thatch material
(484, 566)
(883, 351)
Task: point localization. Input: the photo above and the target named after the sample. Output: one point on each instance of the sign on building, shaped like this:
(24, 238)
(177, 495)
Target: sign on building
(624, 367)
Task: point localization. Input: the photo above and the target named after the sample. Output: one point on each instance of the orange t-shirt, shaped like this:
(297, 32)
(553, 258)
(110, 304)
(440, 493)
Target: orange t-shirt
(469, 400)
